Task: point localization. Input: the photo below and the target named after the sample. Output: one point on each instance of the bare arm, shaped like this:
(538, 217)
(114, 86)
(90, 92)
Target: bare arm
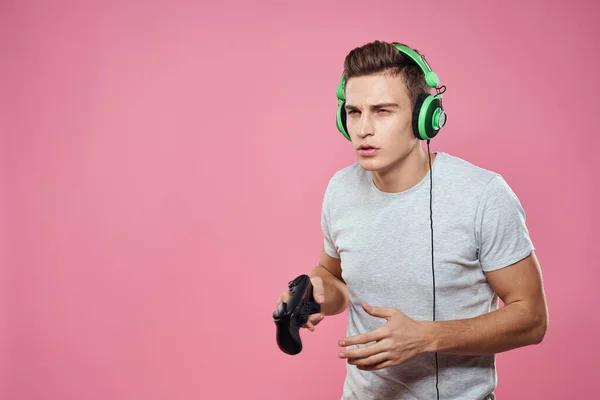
(334, 288)
(521, 322)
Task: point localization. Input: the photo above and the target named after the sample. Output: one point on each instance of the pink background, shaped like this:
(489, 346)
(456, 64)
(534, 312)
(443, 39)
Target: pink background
(163, 166)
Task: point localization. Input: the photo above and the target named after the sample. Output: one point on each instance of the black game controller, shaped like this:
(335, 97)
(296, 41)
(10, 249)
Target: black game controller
(289, 317)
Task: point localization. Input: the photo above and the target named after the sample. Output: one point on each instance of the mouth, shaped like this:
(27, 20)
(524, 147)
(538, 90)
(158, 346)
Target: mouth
(367, 150)
(367, 147)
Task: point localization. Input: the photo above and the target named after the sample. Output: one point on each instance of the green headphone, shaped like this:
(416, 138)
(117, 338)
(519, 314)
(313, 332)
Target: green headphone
(428, 114)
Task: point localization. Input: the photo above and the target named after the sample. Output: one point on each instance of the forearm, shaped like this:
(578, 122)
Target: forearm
(336, 291)
(512, 326)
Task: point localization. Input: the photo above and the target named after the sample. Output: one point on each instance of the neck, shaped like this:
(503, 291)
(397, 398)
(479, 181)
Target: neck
(406, 173)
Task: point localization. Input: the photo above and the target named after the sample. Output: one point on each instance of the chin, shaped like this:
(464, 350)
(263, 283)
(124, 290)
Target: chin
(370, 164)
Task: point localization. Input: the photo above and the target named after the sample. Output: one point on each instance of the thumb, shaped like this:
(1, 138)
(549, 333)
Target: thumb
(381, 312)
(318, 289)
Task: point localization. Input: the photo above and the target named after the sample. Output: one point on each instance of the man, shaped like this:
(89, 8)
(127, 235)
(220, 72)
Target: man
(418, 247)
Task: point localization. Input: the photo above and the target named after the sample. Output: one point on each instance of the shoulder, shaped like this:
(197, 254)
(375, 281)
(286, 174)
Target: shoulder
(490, 182)
(465, 176)
(345, 185)
(351, 176)
(465, 169)
(472, 186)
(488, 188)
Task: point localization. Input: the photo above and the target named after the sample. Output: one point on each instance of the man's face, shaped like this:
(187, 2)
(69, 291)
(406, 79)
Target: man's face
(379, 114)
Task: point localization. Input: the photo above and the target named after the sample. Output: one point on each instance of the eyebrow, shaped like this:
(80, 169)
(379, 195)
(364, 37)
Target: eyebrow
(374, 106)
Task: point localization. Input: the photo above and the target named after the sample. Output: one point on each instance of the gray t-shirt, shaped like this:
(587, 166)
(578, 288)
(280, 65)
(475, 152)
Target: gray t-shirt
(384, 242)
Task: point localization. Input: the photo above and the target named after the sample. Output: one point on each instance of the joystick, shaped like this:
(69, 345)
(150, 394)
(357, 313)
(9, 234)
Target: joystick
(289, 317)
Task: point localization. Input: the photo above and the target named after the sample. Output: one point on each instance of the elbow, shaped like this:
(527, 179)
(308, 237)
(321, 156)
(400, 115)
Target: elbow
(540, 327)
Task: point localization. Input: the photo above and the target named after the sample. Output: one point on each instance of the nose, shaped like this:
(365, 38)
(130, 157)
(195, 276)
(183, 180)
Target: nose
(365, 126)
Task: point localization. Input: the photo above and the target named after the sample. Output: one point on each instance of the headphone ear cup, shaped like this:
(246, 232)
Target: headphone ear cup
(416, 115)
(426, 107)
(341, 120)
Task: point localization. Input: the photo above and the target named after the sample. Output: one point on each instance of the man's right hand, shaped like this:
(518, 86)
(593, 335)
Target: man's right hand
(318, 294)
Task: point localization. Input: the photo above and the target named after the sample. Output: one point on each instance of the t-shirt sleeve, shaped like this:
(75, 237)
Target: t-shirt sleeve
(328, 240)
(503, 236)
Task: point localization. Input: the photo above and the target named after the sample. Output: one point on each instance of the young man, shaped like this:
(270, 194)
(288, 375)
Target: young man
(419, 246)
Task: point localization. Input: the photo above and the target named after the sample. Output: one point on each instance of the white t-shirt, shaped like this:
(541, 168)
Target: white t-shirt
(384, 242)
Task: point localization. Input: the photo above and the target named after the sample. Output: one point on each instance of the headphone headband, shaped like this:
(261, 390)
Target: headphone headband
(430, 77)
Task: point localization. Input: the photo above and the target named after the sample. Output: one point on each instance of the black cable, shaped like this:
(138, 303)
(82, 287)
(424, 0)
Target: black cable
(432, 268)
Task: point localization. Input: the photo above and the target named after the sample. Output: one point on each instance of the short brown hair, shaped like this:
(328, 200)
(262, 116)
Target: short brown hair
(383, 57)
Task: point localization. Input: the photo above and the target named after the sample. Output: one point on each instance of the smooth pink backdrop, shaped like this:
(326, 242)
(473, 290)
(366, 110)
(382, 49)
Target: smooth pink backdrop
(165, 164)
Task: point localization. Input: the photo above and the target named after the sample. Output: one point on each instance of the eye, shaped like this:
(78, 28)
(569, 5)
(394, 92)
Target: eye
(383, 111)
(352, 112)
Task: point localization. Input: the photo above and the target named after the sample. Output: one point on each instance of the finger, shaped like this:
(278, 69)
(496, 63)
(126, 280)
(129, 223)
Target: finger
(372, 367)
(283, 297)
(308, 325)
(364, 338)
(381, 312)
(316, 318)
(373, 360)
(318, 289)
(365, 352)
(313, 320)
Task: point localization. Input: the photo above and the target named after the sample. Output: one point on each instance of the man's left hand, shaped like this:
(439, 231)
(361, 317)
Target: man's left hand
(398, 340)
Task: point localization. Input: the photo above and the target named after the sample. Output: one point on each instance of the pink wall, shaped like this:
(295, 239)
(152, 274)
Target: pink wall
(4, 266)
(7, 90)
(166, 164)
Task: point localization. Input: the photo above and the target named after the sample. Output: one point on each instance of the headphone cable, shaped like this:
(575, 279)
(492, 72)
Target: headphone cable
(432, 263)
